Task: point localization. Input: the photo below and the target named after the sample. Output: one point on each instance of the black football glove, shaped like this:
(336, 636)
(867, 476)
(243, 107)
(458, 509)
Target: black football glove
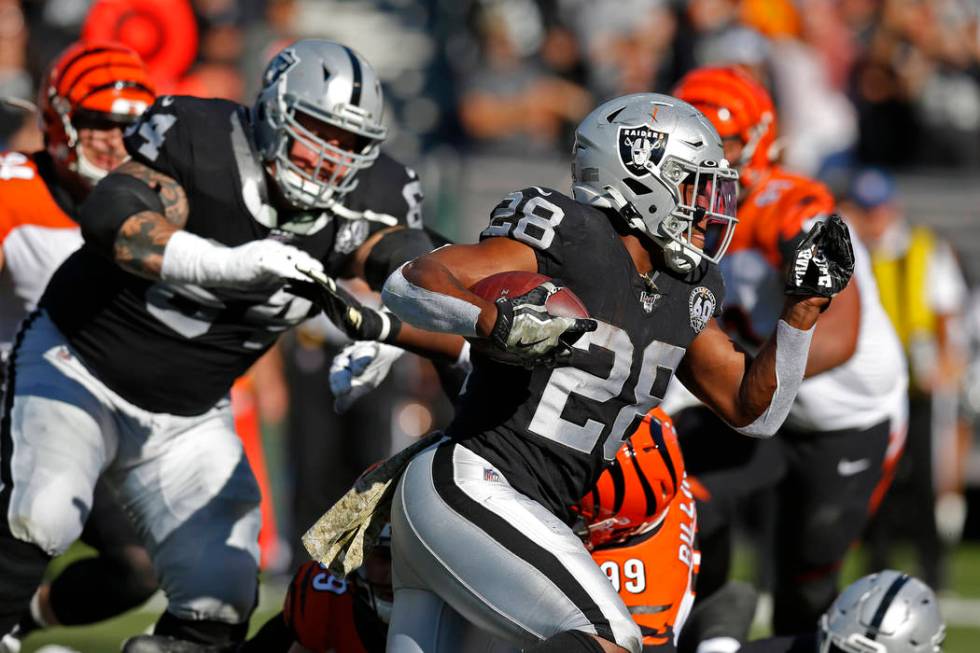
(525, 329)
(358, 321)
(823, 262)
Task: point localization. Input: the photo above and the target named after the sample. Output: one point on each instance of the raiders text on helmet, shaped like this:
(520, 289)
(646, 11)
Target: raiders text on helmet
(330, 83)
(660, 164)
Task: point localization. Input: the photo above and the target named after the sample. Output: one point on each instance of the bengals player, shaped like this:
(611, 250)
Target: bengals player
(91, 93)
(641, 524)
(847, 423)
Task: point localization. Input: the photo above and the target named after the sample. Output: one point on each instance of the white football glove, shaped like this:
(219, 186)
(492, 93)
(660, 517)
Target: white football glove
(359, 369)
(188, 258)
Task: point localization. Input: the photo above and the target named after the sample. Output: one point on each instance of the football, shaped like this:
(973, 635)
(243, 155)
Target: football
(564, 303)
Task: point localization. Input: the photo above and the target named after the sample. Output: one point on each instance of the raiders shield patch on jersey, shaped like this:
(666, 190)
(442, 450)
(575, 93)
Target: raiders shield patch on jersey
(701, 304)
(639, 145)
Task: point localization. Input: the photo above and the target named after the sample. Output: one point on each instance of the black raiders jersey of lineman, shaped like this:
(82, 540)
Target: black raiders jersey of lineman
(550, 430)
(173, 348)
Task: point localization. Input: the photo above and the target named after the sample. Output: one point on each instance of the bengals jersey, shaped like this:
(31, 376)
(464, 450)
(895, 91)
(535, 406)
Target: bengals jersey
(37, 233)
(550, 430)
(140, 336)
(654, 573)
(323, 614)
(864, 390)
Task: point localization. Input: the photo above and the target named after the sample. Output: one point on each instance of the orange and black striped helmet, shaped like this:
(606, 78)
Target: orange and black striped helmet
(632, 494)
(738, 106)
(97, 84)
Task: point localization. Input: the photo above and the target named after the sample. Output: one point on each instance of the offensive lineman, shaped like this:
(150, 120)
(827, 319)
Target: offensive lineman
(91, 93)
(123, 372)
(479, 521)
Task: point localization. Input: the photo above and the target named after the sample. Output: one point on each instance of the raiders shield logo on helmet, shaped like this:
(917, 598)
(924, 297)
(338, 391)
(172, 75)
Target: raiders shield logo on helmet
(640, 145)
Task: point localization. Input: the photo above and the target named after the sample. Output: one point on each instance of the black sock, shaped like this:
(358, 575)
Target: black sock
(21, 567)
(570, 641)
(201, 631)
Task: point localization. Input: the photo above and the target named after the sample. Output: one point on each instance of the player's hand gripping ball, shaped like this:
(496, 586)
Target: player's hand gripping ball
(538, 319)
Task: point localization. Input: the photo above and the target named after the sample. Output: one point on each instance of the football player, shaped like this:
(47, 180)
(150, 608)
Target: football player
(885, 612)
(847, 424)
(639, 522)
(480, 520)
(91, 93)
(123, 373)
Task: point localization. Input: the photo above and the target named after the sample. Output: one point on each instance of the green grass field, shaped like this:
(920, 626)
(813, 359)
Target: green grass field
(961, 603)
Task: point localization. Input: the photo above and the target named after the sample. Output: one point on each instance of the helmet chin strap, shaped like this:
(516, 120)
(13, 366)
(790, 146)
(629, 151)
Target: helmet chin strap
(678, 257)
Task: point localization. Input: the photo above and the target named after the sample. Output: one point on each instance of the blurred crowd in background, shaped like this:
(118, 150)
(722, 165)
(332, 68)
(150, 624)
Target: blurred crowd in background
(880, 99)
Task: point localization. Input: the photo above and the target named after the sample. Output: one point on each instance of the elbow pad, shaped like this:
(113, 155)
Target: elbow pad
(113, 201)
(792, 348)
(393, 250)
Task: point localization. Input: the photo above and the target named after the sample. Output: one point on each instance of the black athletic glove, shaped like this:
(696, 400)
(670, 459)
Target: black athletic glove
(526, 330)
(823, 262)
(358, 321)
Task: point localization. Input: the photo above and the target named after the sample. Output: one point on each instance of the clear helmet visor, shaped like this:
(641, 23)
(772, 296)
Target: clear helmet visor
(705, 217)
(313, 171)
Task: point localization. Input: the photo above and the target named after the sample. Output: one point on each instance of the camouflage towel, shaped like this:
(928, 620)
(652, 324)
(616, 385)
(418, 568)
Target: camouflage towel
(346, 533)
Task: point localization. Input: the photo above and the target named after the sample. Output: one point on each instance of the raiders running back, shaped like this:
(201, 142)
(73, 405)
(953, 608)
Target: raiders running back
(133, 332)
(550, 430)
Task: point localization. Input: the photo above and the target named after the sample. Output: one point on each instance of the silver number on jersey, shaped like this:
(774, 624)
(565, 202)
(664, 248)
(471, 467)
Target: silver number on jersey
(412, 193)
(547, 421)
(657, 366)
(536, 226)
(153, 132)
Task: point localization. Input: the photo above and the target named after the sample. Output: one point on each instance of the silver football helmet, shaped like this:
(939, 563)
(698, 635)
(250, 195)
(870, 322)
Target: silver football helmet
(887, 612)
(659, 163)
(330, 83)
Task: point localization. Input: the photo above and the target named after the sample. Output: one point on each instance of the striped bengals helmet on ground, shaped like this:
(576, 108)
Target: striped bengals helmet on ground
(632, 494)
(91, 84)
(738, 106)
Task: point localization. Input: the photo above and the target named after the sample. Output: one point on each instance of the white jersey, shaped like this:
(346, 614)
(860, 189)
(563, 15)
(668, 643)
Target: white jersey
(869, 387)
(36, 236)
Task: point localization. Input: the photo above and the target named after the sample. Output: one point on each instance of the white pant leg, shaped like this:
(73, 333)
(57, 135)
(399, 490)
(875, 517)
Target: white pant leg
(185, 481)
(499, 558)
(62, 435)
(190, 490)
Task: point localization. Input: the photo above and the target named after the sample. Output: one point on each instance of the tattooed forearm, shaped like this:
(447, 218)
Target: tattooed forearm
(141, 241)
(171, 194)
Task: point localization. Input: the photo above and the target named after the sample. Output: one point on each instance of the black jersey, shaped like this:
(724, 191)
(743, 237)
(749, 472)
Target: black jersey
(175, 348)
(548, 430)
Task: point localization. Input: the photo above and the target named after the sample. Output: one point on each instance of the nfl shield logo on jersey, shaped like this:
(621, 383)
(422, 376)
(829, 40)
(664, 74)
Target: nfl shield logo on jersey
(640, 145)
(702, 306)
